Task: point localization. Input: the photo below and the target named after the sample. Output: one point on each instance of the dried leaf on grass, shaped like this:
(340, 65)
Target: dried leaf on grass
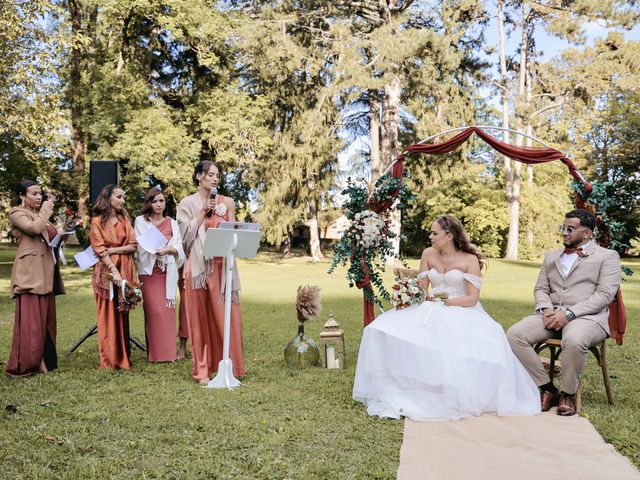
(54, 439)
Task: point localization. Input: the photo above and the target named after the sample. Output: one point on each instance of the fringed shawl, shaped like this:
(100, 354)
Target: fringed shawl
(193, 241)
(106, 236)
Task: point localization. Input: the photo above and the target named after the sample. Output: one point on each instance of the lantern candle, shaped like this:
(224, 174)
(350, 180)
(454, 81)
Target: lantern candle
(332, 345)
(331, 357)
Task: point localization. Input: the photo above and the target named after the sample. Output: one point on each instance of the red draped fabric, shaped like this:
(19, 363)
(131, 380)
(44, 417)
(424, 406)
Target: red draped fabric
(528, 155)
(617, 318)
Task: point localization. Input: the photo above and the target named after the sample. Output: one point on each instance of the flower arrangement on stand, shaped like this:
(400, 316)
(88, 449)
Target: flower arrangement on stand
(367, 243)
(302, 351)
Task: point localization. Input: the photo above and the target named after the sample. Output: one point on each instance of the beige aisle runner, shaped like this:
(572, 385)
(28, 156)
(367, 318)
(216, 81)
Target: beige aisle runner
(521, 448)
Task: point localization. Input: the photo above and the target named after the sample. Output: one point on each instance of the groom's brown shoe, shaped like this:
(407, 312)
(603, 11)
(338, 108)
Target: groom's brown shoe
(549, 399)
(567, 405)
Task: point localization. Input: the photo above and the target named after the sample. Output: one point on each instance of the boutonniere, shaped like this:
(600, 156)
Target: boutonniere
(220, 210)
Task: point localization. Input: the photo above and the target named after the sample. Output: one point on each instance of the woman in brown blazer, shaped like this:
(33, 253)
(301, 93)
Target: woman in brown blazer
(33, 284)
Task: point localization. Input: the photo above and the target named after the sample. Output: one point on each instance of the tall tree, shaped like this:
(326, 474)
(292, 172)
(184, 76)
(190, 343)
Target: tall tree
(561, 19)
(31, 121)
(292, 61)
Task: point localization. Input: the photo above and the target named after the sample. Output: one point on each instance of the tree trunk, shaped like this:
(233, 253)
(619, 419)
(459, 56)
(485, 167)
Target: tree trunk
(390, 107)
(374, 142)
(529, 144)
(529, 128)
(79, 148)
(125, 43)
(514, 210)
(389, 151)
(314, 234)
(508, 171)
(286, 246)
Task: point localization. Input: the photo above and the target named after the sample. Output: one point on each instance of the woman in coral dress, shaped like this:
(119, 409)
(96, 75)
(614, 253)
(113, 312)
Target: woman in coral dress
(204, 278)
(442, 360)
(35, 281)
(113, 241)
(158, 272)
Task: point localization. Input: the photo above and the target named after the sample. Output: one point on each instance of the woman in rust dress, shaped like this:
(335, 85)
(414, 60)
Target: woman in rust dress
(203, 278)
(158, 272)
(113, 241)
(34, 283)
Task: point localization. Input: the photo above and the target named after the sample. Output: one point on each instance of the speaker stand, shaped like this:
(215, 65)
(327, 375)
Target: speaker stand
(93, 330)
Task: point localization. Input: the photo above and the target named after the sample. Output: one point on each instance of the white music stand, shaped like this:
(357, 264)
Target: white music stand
(230, 240)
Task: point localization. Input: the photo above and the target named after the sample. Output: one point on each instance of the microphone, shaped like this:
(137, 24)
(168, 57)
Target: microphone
(212, 196)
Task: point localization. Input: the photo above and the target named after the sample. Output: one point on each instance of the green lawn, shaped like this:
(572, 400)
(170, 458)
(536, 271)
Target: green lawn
(155, 422)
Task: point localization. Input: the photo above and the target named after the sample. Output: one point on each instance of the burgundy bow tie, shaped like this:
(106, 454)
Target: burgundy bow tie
(569, 251)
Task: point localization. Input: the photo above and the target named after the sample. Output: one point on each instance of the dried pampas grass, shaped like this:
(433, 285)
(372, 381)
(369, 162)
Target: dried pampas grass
(308, 302)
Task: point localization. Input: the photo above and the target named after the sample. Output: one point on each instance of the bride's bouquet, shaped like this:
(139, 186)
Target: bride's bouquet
(406, 292)
(129, 293)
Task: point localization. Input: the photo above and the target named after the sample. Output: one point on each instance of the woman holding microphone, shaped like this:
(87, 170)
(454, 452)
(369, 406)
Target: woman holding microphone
(33, 284)
(204, 278)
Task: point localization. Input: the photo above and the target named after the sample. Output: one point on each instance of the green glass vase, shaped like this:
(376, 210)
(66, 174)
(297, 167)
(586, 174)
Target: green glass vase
(301, 352)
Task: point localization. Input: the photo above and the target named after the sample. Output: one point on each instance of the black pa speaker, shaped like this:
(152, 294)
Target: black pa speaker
(101, 174)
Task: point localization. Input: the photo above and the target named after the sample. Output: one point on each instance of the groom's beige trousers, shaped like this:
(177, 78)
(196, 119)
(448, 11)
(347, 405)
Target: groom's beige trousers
(576, 338)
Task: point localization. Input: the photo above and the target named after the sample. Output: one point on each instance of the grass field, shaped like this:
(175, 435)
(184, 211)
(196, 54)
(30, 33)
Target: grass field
(155, 422)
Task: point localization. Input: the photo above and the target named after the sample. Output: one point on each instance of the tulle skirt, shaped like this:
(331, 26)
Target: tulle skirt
(435, 362)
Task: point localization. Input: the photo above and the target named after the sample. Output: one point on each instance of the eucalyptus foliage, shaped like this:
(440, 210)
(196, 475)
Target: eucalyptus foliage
(368, 264)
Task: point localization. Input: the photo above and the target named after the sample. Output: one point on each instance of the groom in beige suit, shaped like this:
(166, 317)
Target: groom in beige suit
(574, 288)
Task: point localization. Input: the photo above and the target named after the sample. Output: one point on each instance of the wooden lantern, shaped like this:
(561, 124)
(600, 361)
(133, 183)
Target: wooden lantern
(332, 345)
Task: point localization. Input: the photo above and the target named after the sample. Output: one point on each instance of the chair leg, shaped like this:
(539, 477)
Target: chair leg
(579, 396)
(552, 362)
(605, 372)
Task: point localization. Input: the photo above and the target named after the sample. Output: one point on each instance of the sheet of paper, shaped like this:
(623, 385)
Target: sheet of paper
(152, 240)
(60, 236)
(87, 258)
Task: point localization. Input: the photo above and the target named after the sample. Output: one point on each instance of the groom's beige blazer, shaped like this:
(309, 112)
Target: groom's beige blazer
(587, 289)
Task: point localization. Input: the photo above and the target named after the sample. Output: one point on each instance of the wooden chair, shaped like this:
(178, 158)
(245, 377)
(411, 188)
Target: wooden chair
(599, 351)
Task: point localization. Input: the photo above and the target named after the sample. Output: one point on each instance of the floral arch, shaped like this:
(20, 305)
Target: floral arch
(367, 242)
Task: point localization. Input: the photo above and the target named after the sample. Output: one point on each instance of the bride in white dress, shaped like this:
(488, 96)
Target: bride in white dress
(442, 360)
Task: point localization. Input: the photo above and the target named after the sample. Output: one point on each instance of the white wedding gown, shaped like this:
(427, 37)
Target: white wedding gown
(436, 362)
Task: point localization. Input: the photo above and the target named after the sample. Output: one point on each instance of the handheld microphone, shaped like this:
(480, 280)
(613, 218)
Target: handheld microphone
(212, 196)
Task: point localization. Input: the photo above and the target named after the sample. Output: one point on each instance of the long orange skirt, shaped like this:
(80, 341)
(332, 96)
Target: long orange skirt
(159, 319)
(205, 318)
(183, 329)
(113, 334)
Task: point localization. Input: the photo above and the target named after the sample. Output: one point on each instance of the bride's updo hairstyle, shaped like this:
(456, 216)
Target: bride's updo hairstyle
(461, 240)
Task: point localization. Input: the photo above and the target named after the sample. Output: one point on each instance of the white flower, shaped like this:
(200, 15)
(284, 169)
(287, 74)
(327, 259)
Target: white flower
(407, 292)
(221, 210)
